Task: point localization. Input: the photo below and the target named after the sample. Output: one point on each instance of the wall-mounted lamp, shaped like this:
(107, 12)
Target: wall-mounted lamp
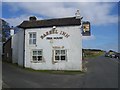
(54, 27)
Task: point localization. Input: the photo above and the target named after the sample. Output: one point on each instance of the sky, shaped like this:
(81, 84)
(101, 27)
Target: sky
(103, 17)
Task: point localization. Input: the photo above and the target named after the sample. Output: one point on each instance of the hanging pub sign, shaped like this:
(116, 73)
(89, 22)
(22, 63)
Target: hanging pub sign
(86, 29)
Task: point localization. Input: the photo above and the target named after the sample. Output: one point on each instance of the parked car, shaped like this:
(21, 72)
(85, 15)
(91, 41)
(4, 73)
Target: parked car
(107, 54)
(112, 55)
(117, 55)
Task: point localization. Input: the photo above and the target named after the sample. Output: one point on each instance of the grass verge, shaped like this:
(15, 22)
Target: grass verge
(61, 72)
(65, 72)
(93, 55)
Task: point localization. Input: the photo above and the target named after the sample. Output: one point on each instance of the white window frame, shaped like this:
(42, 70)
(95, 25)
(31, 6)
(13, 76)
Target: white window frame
(37, 55)
(60, 54)
(31, 39)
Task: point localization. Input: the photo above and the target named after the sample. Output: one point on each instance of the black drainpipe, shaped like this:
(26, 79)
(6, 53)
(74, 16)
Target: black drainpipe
(24, 50)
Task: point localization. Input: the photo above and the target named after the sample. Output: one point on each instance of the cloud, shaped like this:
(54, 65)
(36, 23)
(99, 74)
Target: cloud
(48, 9)
(18, 20)
(98, 13)
(60, 0)
(92, 37)
(0, 9)
(110, 46)
(15, 21)
(95, 12)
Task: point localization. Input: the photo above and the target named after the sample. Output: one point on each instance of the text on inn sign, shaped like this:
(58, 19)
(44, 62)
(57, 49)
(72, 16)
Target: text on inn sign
(54, 31)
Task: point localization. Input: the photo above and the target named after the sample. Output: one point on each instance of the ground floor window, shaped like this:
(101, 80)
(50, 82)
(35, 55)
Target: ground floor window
(60, 55)
(37, 55)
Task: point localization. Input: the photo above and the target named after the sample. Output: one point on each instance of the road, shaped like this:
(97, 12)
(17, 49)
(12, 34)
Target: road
(101, 72)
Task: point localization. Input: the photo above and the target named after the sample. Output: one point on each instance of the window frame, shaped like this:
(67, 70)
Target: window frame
(32, 55)
(32, 38)
(59, 55)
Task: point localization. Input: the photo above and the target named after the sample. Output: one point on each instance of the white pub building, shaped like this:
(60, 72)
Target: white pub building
(51, 44)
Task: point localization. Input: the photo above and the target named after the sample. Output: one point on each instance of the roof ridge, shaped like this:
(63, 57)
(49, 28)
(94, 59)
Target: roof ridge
(66, 21)
(50, 19)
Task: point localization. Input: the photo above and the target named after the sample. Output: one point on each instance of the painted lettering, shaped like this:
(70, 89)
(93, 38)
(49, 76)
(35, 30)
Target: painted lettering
(64, 34)
(42, 36)
(54, 31)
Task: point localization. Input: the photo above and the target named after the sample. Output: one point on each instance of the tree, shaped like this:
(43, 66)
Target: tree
(5, 28)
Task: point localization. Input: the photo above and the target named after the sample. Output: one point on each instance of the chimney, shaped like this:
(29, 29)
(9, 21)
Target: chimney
(12, 31)
(32, 18)
(77, 14)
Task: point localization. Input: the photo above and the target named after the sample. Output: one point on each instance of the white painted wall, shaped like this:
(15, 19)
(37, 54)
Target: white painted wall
(14, 48)
(21, 49)
(17, 45)
(73, 44)
(11, 32)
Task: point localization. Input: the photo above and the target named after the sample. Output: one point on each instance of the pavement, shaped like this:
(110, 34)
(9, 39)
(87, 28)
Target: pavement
(102, 72)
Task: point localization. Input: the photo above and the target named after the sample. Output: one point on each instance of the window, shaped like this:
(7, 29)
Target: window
(60, 55)
(32, 38)
(37, 55)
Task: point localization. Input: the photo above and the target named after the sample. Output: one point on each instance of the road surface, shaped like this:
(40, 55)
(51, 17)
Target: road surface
(102, 72)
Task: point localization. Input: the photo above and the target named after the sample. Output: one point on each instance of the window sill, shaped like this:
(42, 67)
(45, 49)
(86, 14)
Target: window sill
(55, 61)
(32, 45)
(37, 61)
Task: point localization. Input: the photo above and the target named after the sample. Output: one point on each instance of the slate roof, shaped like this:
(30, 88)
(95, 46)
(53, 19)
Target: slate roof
(70, 21)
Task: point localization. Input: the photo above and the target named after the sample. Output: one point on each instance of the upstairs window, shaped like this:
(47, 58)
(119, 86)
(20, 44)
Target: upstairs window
(32, 38)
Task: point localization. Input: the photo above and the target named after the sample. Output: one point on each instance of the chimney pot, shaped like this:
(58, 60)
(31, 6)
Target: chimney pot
(12, 31)
(32, 18)
(77, 14)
